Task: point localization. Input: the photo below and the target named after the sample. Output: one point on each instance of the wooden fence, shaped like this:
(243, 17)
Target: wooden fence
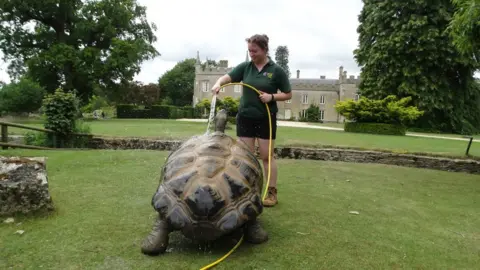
(5, 144)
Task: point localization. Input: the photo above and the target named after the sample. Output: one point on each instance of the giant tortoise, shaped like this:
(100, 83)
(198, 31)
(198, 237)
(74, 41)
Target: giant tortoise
(210, 186)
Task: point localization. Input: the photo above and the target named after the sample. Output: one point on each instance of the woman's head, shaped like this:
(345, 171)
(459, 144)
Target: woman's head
(258, 47)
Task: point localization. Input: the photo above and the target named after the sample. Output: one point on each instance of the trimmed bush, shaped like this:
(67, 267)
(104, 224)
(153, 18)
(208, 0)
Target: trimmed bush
(375, 128)
(388, 110)
(387, 116)
(125, 110)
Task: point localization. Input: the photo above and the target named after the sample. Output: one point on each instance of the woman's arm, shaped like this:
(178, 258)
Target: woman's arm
(282, 96)
(224, 80)
(221, 81)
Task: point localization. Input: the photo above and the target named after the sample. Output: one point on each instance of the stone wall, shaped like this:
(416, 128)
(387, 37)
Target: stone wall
(23, 186)
(132, 143)
(325, 154)
(387, 158)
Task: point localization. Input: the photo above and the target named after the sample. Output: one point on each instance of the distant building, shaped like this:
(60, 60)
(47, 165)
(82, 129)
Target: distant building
(320, 91)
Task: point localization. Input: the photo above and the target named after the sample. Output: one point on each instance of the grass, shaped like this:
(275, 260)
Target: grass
(408, 218)
(171, 129)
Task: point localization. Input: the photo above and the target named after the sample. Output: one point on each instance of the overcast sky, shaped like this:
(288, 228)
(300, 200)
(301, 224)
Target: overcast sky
(320, 34)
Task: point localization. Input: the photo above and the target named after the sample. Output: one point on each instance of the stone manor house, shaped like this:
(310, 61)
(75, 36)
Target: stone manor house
(306, 91)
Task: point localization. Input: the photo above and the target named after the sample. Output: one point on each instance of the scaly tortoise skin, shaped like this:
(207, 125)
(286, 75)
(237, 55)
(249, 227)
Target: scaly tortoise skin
(210, 186)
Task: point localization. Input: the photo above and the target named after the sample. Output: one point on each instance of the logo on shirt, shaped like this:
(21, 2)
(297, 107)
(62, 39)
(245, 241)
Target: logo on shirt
(268, 74)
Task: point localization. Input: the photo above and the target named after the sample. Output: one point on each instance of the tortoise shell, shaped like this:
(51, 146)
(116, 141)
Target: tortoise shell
(210, 186)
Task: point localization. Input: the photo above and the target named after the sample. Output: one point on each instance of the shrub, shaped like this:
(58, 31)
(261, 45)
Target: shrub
(125, 110)
(95, 103)
(312, 114)
(61, 110)
(36, 138)
(228, 103)
(384, 116)
(24, 96)
(80, 141)
(62, 113)
(375, 128)
(388, 110)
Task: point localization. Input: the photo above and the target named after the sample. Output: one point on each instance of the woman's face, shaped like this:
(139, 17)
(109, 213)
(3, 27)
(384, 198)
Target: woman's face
(256, 53)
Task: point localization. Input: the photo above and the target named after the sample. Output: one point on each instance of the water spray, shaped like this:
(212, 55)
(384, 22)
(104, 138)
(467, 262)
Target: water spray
(210, 119)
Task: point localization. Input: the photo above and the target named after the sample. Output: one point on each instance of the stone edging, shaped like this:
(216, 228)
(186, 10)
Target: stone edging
(326, 154)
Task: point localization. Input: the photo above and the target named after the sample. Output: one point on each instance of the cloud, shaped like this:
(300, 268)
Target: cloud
(320, 35)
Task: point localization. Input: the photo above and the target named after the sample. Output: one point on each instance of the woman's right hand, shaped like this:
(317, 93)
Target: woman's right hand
(216, 88)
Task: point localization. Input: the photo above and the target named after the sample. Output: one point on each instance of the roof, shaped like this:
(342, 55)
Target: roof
(314, 84)
(313, 81)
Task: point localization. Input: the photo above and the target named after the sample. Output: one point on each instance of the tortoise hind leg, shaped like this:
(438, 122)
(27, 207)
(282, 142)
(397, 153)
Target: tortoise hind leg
(254, 233)
(157, 240)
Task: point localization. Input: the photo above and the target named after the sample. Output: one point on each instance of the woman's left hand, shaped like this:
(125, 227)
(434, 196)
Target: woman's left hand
(265, 97)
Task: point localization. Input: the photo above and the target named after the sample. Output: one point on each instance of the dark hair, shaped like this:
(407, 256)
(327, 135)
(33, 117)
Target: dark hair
(260, 40)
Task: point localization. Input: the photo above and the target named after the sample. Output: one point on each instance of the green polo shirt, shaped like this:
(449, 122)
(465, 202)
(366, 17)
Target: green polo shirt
(269, 80)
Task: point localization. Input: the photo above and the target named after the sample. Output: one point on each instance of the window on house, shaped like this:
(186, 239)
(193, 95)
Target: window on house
(322, 114)
(305, 99)
(322, 99)
(205, 86)
(288, 101)
(304, 113)
(237, 88)
(357, 97)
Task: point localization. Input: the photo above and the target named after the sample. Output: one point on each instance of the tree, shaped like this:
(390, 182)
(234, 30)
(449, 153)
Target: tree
(137, 93)
(149, 94)
(95, 103)
(24, 96)
(76, 45)
(465, 28)
(177, 84)
(405, 50)
(281, 57)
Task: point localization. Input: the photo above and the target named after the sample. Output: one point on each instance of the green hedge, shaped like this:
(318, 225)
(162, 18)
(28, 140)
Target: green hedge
(155, 111)
(375, 128)
(232, 120)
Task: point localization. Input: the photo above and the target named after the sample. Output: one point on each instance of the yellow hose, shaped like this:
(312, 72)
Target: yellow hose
(268, 177)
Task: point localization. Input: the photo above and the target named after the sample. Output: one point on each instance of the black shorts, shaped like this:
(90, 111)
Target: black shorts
(256, 128)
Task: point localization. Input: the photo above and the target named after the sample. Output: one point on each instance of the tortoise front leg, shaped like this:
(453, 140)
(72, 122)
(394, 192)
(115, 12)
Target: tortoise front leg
(157, 240)
(254, 233)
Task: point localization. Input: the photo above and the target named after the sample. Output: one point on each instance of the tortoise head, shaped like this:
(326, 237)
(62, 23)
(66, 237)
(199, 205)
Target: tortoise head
(221, 120)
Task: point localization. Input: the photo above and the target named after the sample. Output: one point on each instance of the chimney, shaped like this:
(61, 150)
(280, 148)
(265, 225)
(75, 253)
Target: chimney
(223, 63)
(298, 73)
(322, 77)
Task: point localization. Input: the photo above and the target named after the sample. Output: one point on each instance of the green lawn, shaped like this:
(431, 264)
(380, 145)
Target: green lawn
(171, 129)
(408, 218)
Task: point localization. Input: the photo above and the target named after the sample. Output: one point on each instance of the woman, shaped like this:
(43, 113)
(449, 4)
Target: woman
(252, 119)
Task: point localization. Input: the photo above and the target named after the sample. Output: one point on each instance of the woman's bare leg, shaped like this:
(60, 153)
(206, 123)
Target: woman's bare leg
(263, 144)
